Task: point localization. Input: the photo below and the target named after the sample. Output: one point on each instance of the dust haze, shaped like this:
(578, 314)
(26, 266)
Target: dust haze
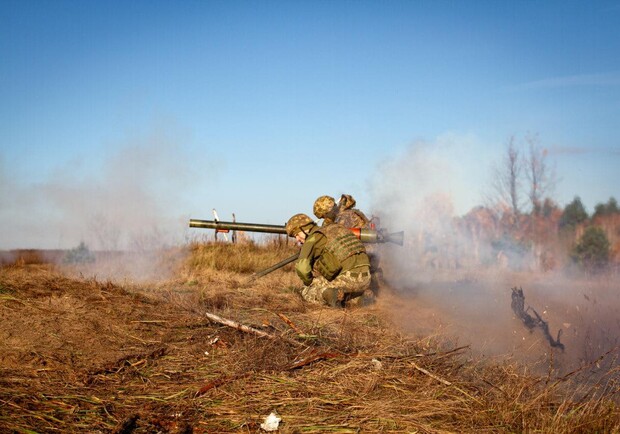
(133, 200)
(453, 282)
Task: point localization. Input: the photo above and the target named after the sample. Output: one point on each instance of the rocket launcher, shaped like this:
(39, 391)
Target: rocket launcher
(365, 235)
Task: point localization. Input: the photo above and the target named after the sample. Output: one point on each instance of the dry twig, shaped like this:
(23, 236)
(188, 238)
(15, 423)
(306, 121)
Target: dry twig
(290, 323)
(247, 329)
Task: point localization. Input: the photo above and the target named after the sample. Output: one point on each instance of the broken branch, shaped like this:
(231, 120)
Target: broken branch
(247, 329)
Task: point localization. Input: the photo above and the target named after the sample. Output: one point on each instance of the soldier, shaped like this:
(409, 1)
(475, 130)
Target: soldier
(354, 218)
(348, 216)
(325, 208)
(339, 258)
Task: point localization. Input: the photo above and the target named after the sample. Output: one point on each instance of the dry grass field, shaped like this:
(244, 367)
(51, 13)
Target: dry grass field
(124, 345)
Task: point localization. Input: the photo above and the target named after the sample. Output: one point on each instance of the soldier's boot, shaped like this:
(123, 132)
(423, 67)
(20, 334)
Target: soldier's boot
(330, 295)
(368, 297)
(364, 298)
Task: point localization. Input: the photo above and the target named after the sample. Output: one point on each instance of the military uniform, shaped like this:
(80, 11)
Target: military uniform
(354, 218)
(339, 261)
(348, 216)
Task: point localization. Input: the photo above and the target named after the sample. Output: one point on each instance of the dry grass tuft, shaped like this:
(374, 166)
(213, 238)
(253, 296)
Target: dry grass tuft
(239, 258)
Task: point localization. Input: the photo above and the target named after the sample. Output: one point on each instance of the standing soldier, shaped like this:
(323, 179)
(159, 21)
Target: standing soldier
(339, 258)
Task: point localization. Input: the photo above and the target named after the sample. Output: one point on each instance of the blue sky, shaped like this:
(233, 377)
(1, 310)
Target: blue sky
(173, 108)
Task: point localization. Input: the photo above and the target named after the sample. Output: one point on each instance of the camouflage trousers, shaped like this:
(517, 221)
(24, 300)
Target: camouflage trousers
(349, 284)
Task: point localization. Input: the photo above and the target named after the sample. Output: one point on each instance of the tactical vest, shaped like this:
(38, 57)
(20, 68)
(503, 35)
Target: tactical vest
(341, 244)
(352, 218)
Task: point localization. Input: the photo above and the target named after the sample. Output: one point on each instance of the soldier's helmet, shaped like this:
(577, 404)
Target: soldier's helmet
(346, 201)
(324, 206)
(295, 223)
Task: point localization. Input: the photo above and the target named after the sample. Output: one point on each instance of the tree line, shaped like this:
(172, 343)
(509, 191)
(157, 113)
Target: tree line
(521, 196)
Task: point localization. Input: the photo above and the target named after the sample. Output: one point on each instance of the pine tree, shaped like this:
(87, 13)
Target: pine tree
(592, 250)
(574, 213)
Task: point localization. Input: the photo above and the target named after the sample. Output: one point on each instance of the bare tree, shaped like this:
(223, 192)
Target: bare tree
(540, 176)
(506, 182)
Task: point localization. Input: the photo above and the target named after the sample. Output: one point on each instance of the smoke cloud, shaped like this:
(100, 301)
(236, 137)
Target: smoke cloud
(454, 274)
(134, 199)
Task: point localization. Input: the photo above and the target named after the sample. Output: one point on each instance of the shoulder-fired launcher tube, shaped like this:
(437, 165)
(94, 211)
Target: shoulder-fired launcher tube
(365, 235)
(234, 226)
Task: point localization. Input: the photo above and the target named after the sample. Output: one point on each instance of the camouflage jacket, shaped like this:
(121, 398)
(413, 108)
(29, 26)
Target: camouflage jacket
(329, 250)
(352, 218)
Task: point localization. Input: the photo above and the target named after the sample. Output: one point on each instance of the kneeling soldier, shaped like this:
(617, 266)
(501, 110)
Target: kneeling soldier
(339, 258)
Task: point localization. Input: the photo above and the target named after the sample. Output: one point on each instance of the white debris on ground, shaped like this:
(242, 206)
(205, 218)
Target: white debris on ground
(377, 364)
(271, 422)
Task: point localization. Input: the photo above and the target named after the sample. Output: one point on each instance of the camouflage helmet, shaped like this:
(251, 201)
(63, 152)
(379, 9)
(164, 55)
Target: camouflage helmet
(295, 223)
(346, 201)
(324, 206)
